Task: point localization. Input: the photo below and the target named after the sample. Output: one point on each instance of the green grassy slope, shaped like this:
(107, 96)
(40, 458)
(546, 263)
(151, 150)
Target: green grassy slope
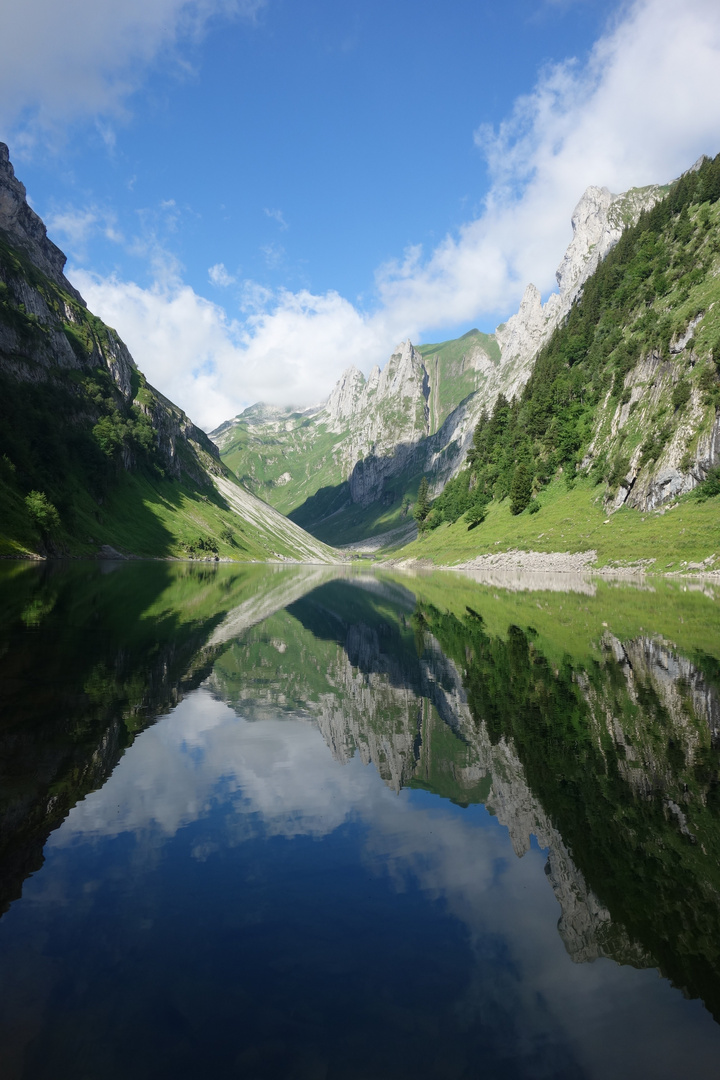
(576, 521)
(451, 372)
(260, 458)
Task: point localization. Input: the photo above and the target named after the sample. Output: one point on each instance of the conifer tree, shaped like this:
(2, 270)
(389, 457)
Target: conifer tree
(521, 487)
(422, 504)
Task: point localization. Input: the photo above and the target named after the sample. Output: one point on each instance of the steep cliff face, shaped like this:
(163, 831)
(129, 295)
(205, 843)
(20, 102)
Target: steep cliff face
(48, 336)
(373, 439)
(685, 703)
(625, 392)
(82, 429)
(664, 441)
(598, 222)
(20, 222)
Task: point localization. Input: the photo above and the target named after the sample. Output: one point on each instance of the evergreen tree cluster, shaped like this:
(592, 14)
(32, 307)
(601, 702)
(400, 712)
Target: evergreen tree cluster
(520, 446)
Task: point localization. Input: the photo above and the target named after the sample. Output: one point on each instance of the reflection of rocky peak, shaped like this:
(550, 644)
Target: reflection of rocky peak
(410, 718)
(393, 729)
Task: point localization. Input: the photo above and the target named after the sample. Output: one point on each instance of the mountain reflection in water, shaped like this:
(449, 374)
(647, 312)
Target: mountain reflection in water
(302, 822)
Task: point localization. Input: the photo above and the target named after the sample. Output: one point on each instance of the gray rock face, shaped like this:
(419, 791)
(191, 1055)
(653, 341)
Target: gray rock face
(28, 232)
(598, 221)
(690, 706)
(691, 451)
(343, 402)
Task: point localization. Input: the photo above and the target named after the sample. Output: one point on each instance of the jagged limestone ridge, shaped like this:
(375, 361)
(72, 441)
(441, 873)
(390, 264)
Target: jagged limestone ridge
(417, 415)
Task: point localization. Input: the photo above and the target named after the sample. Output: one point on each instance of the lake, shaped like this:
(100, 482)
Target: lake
(321, 823)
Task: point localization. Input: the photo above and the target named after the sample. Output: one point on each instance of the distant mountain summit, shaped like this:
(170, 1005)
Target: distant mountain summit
(350, 467)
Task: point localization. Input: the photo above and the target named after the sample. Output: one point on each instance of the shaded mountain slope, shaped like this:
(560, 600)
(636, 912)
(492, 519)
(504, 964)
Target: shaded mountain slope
(91, 455)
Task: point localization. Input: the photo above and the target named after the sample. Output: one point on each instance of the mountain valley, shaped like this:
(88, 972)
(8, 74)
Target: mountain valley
(351, 467)
(593, 410)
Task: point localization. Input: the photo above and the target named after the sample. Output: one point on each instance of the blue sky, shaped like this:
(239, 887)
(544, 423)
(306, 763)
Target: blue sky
(257, 194)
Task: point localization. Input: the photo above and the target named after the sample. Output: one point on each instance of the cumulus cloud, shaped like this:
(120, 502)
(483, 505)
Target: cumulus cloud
(82, 58)
(286, 349)
(643, 107)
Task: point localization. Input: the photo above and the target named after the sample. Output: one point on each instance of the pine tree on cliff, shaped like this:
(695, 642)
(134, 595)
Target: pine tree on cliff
(422, 504)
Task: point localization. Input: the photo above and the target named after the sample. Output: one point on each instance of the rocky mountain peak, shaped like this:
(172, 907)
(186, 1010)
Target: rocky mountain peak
(24, 228)
(598, 222)
(590, 230)
(343, 400)
(402, 371)
(373, 379)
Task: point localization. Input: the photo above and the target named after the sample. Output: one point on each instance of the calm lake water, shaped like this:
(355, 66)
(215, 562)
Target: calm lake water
(313, 824)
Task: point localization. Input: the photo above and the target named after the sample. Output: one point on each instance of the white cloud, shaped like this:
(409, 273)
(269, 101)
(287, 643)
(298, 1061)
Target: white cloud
(644, 107)
(219, 276)
(641, 110)
(82, 58)
(288, 348)
(277, 215)
(275, 255)
(77, 226)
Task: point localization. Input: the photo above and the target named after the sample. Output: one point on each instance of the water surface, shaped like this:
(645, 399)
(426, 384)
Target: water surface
(295, 822)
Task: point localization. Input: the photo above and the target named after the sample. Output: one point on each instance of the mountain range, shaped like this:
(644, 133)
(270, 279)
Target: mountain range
(601, 402)
(350, 467)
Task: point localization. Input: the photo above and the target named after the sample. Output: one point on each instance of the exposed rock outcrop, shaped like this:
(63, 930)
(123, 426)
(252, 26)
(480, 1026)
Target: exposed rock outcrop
(598, 221)
(23, 226)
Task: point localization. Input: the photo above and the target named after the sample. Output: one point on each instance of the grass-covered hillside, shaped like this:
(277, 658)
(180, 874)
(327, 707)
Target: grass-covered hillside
(453, 372)
(619, 414)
